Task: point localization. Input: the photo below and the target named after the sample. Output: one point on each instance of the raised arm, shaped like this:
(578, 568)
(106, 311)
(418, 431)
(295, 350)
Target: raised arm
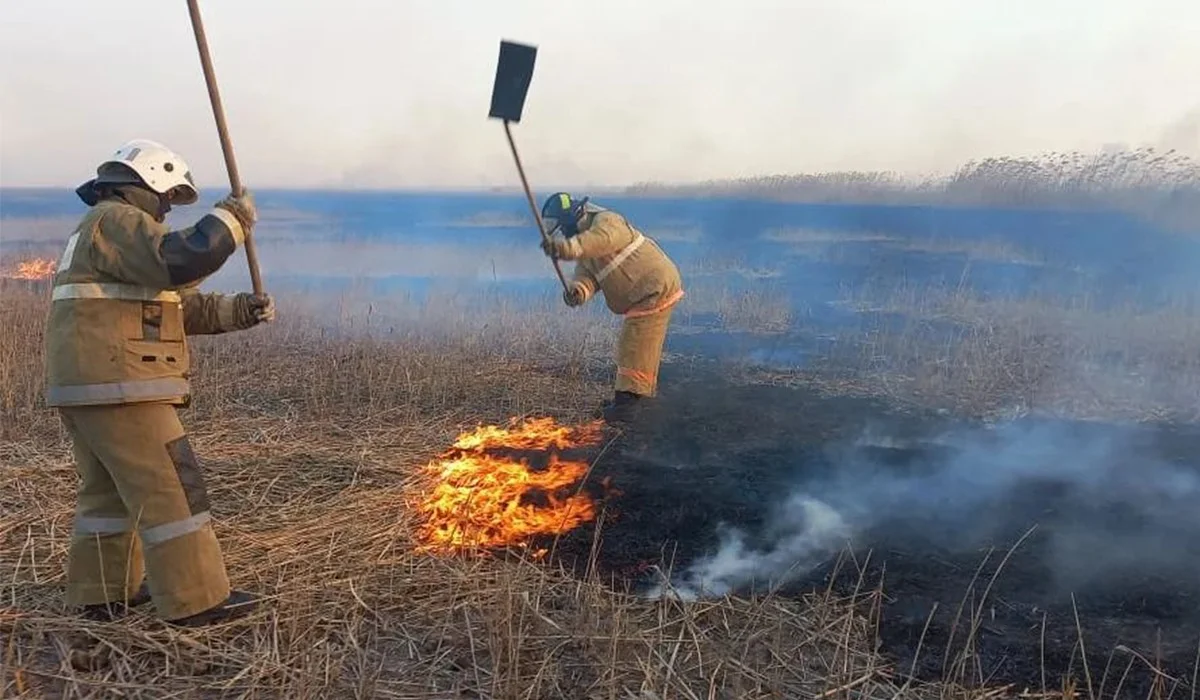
(607, 234)
(135, 249)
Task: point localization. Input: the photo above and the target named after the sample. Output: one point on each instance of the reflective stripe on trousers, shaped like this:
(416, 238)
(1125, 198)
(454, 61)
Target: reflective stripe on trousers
(169, 531)
(637, 375)
(163, 388)
(99, 525)
(108, 290)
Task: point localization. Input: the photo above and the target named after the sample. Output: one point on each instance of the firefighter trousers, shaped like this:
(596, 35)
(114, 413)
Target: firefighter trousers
(639, 352)
(142, 508)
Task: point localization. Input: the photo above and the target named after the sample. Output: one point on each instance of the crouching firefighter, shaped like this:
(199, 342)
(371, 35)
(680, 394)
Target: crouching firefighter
(124, 301)
(637, 279)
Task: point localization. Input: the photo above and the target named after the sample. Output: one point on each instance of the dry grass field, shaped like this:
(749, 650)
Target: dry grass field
(316, 433)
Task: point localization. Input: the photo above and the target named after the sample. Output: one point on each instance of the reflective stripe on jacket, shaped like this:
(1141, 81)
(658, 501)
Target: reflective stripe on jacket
(633, 272)
(116, 329)
(109, 290)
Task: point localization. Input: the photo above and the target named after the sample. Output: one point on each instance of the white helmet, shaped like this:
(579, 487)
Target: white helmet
(160, 168)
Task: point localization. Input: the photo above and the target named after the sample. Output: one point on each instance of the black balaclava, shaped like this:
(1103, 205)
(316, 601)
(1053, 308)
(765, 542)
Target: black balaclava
(133, 194)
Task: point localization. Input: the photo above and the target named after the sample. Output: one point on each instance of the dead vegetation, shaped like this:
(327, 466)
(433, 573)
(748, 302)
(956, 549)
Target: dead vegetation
(949, 346)
(946, 345)
(313, 432)
(312, 442)
(1162, 185)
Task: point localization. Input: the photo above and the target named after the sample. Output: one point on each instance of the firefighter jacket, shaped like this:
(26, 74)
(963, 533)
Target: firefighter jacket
(125, 297)
(635, 275)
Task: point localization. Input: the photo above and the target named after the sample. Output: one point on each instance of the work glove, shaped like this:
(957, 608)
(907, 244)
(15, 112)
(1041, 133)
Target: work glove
(574, 295)
(560, 248)
(242, 208)
(249, 310)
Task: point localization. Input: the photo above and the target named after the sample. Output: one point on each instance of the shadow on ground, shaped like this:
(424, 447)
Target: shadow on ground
(934, 507)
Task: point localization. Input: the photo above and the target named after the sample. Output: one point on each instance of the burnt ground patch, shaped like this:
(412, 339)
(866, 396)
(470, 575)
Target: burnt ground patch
(935, 506)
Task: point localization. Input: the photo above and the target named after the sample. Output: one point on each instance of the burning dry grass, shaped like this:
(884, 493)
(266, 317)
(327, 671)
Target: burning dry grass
(480, 494)
(31, 269)
(315, 446)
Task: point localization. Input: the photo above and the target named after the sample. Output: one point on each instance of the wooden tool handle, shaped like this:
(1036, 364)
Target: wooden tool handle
(537, 216)
(214, 97)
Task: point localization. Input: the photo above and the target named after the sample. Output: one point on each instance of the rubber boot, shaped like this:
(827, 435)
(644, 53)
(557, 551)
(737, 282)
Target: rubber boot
(623, 408)
(238, 604)
(113, 610)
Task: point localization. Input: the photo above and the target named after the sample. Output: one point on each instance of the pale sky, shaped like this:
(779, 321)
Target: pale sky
(395, 93)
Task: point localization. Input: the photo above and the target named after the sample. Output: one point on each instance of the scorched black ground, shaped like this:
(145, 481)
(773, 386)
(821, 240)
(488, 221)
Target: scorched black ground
(713, 453)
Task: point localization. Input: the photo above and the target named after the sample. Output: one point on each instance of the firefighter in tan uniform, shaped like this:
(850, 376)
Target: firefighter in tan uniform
(637, 279)
(124, 301)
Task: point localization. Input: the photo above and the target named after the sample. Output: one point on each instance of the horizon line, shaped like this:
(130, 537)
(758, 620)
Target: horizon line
(893, 177)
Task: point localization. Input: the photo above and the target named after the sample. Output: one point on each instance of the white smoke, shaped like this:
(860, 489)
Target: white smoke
(803, 533)
(953, 498)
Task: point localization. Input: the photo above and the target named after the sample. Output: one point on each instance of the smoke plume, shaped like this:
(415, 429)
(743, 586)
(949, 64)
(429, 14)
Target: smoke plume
(1107, 505)
(804, 531)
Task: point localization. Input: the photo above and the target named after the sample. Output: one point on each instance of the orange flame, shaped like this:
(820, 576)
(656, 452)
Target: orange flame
(481, 499)
(36, 269)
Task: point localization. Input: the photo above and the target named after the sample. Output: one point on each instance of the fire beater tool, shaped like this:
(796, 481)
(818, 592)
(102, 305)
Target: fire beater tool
(214, 97)
(514, 73)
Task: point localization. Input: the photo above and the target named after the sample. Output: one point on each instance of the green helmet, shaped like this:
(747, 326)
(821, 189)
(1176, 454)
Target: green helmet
(564, 212)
